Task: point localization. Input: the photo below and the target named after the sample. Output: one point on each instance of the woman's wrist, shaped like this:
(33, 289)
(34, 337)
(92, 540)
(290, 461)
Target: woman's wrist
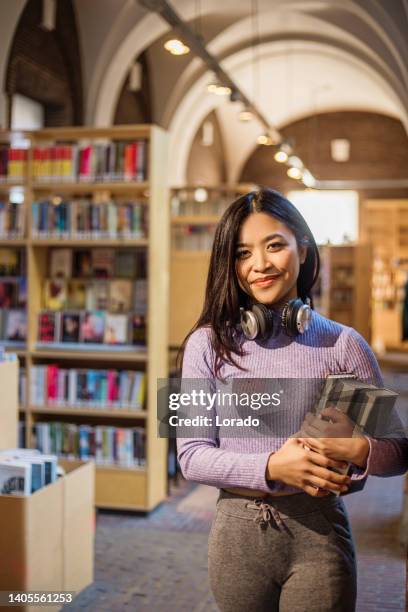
(271, 471)
(360, 451)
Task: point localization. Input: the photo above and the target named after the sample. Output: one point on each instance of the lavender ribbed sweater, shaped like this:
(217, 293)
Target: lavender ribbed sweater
(326, 348)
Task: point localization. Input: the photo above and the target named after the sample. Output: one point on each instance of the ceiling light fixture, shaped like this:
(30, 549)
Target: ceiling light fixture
(245, 115)
(222, 90)
(294, 173)
(265, 139)
(281, 157)
(176, 47)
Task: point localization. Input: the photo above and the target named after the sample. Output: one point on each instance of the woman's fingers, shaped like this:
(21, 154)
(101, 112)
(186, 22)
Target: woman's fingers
(326, 484)
(329, 475)
(315, 491)
(324, 461)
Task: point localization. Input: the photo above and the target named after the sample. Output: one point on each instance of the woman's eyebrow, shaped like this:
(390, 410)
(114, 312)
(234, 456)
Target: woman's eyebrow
(266, 239)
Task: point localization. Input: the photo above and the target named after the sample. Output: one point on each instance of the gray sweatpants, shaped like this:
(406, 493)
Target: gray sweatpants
(291, 553)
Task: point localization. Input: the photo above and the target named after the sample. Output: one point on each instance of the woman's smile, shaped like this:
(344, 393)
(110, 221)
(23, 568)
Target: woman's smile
(267, 281)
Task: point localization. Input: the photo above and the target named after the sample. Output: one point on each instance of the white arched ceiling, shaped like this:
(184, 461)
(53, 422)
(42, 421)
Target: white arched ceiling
(276, 18)
(319, 67)
(297, 80)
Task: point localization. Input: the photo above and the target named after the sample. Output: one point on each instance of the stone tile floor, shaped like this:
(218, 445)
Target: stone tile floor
(159, 562)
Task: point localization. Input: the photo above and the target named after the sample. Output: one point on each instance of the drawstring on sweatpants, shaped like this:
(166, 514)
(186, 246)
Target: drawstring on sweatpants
(266, 513)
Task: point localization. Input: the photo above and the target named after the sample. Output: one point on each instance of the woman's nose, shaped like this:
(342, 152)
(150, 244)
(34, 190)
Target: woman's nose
(261, 261)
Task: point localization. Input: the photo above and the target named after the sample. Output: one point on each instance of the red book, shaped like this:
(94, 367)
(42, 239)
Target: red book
(128, 163)
(52, 383)
(113, 389)
(85, 163)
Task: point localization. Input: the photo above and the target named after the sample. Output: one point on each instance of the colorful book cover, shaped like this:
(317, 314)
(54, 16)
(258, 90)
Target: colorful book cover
(55, 294)
(139, 333)
(47, 327)
(61, 263)
(125, 264)
(120, 296)
(16, 325)
(97, 295)
(15, 478)
(116, 329)
(8, 294)
(83, 263)
(93, 326)
(70, 326)
(103, 263)
(76, 298)
(9, 262)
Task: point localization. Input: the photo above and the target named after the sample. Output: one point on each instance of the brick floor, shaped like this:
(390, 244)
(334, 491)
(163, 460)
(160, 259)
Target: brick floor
(159, 562)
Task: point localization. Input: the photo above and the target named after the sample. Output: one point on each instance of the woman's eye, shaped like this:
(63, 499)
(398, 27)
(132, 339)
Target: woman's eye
(275, 245)
(242, 254)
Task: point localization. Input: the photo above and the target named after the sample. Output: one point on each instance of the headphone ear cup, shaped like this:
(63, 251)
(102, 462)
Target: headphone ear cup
(265, 320)
(289, 317)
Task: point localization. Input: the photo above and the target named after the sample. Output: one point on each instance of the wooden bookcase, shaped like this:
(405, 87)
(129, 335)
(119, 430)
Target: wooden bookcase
(139, 488)
(385, 227)
(343, 292)
(193, 224)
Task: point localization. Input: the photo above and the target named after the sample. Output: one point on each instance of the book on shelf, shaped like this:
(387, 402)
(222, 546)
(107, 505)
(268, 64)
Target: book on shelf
(92, 326)
(116, 329)
(120, 296)
(12, 262)
(13, 292)
(97, 295)
(12, 219)
(13, 164)
(107, 445)
(90, 162)
(15, 325)
(104, 389)
(49, 326)
(55, 294)
(86, 219)
(82, 263)
(70, 325)
(61, 263)
(103, 262)
(77, 296)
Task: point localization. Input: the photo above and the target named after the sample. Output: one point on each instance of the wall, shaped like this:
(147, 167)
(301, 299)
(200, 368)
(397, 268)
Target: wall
(45, 65)
(206, 164)
(379, 149)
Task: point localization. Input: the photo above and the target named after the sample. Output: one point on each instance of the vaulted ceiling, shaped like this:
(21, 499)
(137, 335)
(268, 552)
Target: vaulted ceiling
(314, 56)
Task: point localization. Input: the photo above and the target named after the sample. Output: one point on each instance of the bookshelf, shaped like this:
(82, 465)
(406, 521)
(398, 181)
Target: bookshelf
(343, 291)
(195, 212)
(385, 226)
(78, 201)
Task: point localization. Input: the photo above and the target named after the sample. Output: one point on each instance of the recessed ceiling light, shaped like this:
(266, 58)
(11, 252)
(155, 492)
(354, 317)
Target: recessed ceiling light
(176, 47)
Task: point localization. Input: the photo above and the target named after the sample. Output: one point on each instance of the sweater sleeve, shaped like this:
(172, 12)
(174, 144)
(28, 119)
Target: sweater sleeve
(386, 457)
(201, 460)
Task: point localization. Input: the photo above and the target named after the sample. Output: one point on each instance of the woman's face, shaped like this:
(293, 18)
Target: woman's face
(268, 259)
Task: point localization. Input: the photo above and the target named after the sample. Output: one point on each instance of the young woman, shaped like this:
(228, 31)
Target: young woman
(280, 539)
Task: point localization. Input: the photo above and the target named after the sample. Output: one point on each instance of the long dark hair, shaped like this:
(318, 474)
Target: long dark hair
(223, 295)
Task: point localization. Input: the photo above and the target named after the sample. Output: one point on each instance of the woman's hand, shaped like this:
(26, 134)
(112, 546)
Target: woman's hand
(333, 438)
(298, 467)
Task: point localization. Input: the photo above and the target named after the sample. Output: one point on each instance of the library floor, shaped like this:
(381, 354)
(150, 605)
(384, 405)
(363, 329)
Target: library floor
(160, 562)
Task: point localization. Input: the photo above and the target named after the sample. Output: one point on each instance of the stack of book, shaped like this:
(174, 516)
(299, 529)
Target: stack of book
(86, 388)
(13, 164)
(123, 447)
(113, 161)
(84, 219)
(24, 471)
